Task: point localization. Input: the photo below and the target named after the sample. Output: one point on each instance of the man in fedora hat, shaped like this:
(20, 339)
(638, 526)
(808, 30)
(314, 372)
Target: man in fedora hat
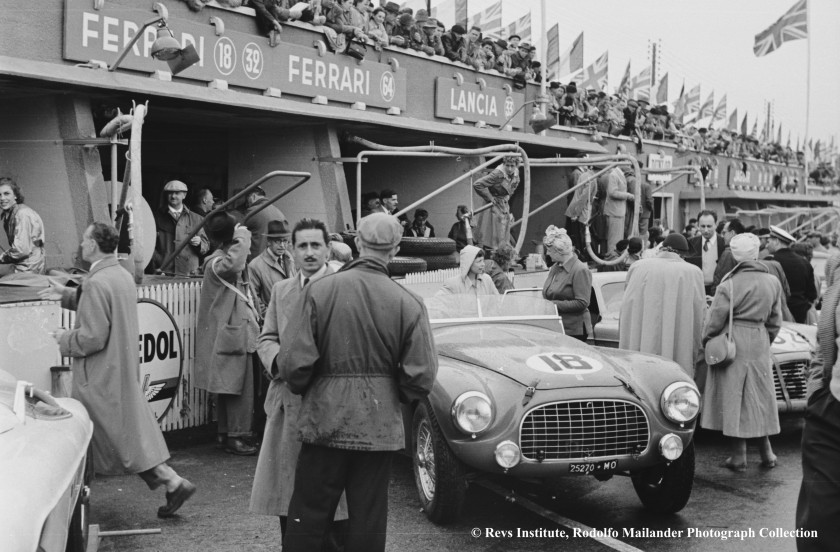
(257, 217)
(273, 265)
(799, 273)
(174, 222)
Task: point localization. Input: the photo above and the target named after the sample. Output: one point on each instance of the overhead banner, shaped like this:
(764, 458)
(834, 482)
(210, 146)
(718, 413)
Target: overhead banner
(241, 59)
(473, 103)
(657, 161)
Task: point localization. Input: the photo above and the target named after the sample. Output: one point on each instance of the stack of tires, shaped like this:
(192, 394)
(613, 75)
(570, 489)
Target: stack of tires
(435, 253)
(417, 254)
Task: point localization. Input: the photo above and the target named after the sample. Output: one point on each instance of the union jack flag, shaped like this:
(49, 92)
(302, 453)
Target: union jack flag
(791, 26)
(706, 108)
(489, 20)
(521, 27)
(720, 111)
(596, 74)
(640, 85)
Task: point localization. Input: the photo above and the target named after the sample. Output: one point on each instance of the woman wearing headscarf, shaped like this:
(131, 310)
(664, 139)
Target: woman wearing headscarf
(471, 278)
(740, 399)
(569, 283)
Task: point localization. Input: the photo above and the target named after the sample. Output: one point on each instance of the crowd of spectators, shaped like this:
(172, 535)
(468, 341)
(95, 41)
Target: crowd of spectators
(388, 24)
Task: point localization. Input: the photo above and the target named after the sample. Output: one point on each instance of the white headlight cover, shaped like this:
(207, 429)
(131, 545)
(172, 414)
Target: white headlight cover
(680, 402)
(508, 454)
(472, 412)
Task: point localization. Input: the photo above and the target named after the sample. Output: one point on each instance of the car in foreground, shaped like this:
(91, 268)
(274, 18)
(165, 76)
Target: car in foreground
(43, 470)
(515, 397)
(791, 350)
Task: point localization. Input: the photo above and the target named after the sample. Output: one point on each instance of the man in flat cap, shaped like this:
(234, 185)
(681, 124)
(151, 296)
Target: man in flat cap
(174, 222)
(454, 44)
(364, 345)
(799, 273)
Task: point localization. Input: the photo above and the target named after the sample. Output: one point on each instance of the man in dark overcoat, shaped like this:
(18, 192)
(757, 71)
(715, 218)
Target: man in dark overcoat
(106, 370)
(362, 345)
(799, 273)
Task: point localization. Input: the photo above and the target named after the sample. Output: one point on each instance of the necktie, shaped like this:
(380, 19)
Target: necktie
(706, 246)
(305, 281)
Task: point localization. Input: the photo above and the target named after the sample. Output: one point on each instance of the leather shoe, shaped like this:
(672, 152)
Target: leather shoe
(239, 447)
(176, 499)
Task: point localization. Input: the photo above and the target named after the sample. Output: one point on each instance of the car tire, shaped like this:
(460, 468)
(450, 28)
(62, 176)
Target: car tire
(441, 262)
(439, 476)
(666, 489)
(399, 266)
(420, 247)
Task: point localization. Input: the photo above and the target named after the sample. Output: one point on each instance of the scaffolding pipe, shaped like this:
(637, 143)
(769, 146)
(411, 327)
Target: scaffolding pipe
(304, 177)
(826, 223)
(450, 184)
(609, 161)
(810, 221)
(567, 192)
(511, 149)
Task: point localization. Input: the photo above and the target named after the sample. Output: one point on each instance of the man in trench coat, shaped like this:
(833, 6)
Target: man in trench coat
(227, 333)
(275, 475)
(106, 370)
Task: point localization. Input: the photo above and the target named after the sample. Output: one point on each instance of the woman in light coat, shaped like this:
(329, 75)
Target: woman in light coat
(496, 188)
(740, 399)
(569, 283)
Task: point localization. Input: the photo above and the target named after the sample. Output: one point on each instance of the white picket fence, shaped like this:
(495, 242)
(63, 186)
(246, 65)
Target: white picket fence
(192, 406)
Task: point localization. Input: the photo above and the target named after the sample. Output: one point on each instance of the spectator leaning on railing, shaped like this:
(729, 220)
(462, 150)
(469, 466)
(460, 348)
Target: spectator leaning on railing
(454, 44)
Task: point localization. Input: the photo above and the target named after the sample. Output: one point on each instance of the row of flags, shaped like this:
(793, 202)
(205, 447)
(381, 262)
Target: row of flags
(568, 65)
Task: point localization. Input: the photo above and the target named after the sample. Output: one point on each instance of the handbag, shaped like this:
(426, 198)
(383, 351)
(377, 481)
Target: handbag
(356, 49)
(720, 350)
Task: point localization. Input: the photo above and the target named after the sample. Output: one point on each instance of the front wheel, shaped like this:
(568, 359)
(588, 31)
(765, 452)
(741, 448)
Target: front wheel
(438, 474)
(665, 489)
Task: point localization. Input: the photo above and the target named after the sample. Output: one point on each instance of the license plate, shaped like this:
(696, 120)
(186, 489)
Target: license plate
(584, 468)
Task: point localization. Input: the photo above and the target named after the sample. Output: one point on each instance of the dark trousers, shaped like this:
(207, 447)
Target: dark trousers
(818, 508)
(322, 474)
(577, 233)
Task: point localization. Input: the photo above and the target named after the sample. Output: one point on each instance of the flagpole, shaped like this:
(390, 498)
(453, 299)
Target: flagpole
(807, 87)
(543, 66)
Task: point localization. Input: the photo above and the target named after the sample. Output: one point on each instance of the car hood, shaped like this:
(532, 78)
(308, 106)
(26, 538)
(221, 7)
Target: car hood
(794, 338)
(529, 354)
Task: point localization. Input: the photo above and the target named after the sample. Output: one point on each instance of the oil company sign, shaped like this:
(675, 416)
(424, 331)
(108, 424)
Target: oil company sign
(473, 103)
(161, 356)
(242, 59)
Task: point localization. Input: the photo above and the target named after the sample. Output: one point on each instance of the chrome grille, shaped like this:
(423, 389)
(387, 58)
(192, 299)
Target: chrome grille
(794, 375)
(583, 429)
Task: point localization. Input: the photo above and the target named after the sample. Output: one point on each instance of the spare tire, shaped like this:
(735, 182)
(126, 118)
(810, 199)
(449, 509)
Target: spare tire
(399, 266)
(439, 262)
(420, 247)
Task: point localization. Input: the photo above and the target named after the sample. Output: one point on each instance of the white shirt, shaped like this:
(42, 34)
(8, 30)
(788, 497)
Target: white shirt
(177, 213)
(710, 258)
(318, 274)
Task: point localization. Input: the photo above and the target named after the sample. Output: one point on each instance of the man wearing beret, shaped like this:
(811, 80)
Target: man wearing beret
(799, 273)
(174, 222)
(364, 345)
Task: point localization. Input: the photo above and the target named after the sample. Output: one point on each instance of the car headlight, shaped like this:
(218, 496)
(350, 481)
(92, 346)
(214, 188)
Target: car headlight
(508, 454)
(680, 402)
(472, 412)
(670, 447)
